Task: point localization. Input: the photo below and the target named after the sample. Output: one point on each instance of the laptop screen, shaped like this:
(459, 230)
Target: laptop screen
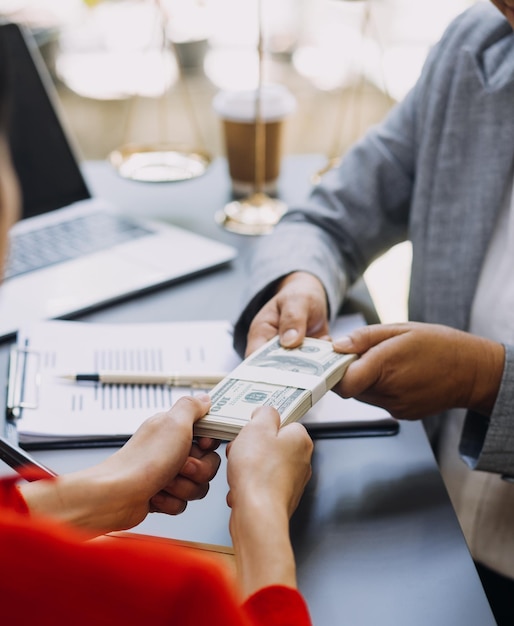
(48, 171)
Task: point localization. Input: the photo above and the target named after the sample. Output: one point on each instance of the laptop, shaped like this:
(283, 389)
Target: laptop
(71, 252)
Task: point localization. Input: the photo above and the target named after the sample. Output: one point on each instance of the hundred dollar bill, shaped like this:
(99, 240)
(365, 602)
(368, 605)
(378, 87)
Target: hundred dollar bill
(290, 380)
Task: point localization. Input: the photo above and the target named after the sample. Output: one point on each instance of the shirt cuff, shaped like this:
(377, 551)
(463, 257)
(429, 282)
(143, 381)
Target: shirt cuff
(278, 605)
(11, 496)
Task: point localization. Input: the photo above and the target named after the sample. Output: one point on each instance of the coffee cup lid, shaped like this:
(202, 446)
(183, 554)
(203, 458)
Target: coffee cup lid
(240, 106)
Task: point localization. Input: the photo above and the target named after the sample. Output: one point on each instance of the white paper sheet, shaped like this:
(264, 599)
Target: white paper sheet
(69, 409)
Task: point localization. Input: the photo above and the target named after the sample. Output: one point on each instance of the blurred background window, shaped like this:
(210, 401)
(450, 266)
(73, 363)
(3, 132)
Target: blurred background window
(121, 66)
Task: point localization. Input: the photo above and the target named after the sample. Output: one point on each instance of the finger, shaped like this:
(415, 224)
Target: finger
(197, 453)
(185, 489)
(293, 321)
(201, 469)
(295, 431)
(362, 339)
(189, 409)
(263, 328)
(207, 443)
(165, 503)
(360, 376)
(298, 439)
(265, 417)
(302, 304)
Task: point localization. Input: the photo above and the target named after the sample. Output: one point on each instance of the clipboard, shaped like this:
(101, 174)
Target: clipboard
(20, 388)
(50, 412)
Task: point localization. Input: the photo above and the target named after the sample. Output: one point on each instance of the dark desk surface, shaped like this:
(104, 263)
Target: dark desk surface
(375, 536)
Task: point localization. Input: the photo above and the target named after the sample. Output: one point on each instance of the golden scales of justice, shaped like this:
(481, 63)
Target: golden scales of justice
(167, 162)
(255, 214)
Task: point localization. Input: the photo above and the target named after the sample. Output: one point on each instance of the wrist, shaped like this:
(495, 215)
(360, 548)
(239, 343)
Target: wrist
(260, 534)
(304, 277)
(80, 499)
(488, 371)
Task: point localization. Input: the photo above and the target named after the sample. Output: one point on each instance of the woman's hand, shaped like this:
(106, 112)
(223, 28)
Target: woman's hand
(268, 462)
(414, 370)
(268, 468)
(158, 469)
(299, 308)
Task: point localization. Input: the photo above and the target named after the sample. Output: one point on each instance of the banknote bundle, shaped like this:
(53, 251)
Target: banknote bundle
(290, 380)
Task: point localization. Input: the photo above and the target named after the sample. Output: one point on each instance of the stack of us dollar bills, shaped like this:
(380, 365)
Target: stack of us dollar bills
(290, 380)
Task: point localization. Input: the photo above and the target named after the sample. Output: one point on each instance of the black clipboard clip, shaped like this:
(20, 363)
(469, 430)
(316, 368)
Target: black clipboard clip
(10, 451)
(22, 388)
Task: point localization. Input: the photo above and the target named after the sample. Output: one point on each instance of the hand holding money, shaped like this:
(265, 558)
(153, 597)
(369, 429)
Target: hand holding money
(291, 380)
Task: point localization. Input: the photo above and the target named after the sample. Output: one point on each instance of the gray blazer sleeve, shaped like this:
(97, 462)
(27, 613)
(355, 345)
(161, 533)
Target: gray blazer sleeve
(358, 212)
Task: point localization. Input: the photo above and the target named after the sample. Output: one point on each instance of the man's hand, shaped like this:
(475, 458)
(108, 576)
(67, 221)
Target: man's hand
(298, 309)
(414, 370)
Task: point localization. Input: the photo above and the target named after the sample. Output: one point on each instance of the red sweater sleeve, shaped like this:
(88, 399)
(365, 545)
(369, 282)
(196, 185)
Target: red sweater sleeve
(50, 576)
(278, 606)
(10, 496)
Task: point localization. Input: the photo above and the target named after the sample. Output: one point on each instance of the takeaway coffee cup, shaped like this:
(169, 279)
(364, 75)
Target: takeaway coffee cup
(237, 111)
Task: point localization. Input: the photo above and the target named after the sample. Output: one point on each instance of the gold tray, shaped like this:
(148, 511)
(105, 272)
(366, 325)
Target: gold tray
(158, 163)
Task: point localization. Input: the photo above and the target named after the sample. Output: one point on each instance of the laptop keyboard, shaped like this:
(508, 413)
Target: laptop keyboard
(68, 240)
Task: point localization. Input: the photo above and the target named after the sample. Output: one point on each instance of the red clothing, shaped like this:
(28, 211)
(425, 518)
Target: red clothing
(50, 577)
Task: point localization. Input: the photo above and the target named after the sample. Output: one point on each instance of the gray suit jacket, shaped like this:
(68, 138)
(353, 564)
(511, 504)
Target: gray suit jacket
(434, 172)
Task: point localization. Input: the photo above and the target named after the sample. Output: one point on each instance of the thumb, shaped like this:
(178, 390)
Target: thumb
(359, 376)
(258, 335)
(363, 339)
(293, 323)
(266, 417)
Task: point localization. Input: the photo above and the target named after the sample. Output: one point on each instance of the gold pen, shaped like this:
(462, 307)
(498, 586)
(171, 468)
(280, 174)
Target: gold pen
(172, 379)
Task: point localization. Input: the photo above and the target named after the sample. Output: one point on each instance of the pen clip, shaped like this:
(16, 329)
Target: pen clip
(21, 392)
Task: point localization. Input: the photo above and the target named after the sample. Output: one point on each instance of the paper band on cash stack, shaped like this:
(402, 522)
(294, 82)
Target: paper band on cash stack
(316, 385)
